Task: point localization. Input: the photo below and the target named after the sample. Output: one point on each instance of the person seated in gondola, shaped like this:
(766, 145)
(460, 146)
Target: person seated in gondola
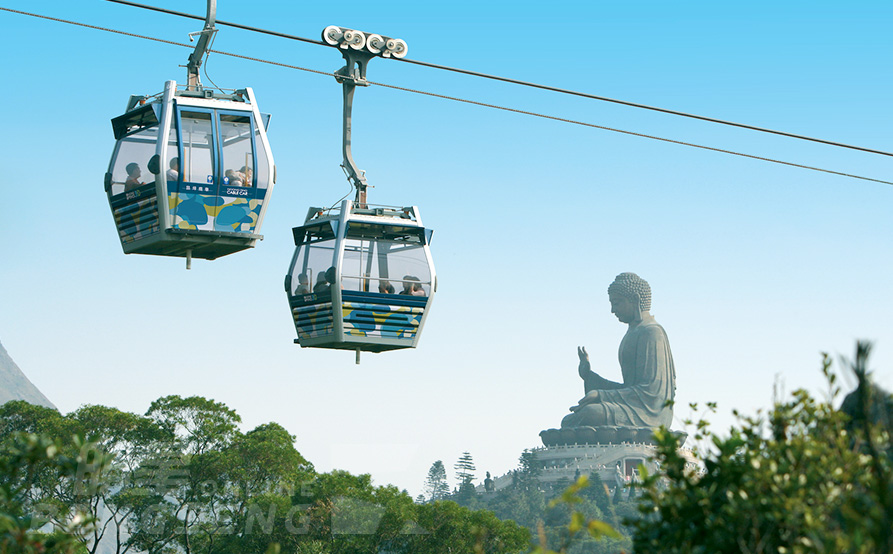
(232, 178)
(385, 287)
(245, 175)
(133, 176)
(407, 285)
(321, 284)
(303, 285)
(330, 276)
(412, 286)
(173, 174)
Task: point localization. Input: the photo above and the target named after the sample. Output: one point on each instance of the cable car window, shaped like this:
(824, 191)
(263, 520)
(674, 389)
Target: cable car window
(131, 161)
(263, 167)
(313, 258)
(197, 165)
(386, 259)
(172, 163)
(238, 156)
(407, 266)
(358, 270)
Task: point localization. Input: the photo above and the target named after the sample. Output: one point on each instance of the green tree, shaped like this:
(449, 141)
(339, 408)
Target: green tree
(448, 527)
(128, 437)
(584, 529)
(798, 479)
(529, 470)
(436, 486)
(185, 496)
(523, 501)
(465, 494)
(345, 513)
(18, 416)
(263, 468)
(44, 492)
(597, 493)
(199, 424)
(465, 468)
(22, 456)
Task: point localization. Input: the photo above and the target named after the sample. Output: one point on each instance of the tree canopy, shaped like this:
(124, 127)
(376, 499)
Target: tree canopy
(184, 479)
(802, 478)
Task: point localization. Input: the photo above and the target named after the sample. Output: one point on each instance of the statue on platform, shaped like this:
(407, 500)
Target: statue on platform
(642, 402)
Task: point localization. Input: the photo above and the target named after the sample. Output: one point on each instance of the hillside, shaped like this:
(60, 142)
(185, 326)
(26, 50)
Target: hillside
(14, 385)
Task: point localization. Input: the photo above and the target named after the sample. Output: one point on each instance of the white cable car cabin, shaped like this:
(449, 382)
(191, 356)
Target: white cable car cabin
(191, 173)
(361, 278)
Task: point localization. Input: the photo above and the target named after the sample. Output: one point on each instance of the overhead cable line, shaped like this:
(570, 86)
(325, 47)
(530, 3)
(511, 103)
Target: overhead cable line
(633, 133)
(221, 22)
(529, 84)
(456, 99)
(645, 107)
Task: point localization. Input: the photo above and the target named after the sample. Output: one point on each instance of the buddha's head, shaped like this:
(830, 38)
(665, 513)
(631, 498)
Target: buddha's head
(630, 296)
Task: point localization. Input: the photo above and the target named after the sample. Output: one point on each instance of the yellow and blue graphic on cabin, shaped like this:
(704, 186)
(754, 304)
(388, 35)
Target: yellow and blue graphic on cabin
(314, 319)
(211, 212)
(381, 320)
(363, 314)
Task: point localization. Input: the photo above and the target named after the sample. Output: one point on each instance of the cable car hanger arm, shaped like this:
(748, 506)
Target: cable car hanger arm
(193, 81)
(350, 76)
(357, 48)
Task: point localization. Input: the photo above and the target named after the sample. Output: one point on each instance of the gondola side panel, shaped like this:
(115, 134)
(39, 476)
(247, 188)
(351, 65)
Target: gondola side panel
(131, 194)
(384, 316)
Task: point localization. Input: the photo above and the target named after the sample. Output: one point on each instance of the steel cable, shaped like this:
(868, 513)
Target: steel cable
(473, 102)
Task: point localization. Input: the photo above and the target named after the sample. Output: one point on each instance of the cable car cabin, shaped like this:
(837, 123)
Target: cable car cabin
(191, 173)
(361, 278)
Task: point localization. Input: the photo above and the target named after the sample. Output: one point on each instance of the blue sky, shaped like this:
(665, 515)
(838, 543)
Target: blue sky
(756, 268)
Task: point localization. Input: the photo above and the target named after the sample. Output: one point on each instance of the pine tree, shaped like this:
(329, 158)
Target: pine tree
(529, 470)
(465, 469)
(598, 493)
(436, 485)
(618, 494)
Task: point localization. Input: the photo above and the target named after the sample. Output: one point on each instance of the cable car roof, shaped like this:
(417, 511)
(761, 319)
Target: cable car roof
(381, 223)
(145, 116)
(143, 113)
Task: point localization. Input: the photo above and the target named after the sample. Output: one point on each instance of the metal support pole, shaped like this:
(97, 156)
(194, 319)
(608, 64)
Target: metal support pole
(193, 81)
(351, 76)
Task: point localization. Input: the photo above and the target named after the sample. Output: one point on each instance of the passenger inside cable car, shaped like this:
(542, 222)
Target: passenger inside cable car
(133, 176)
(173, 172)
(412, 286)
(385, 287)
(303, 285)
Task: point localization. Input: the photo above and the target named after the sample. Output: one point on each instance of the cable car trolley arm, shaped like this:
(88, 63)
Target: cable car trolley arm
(358, 49)
(193, 81)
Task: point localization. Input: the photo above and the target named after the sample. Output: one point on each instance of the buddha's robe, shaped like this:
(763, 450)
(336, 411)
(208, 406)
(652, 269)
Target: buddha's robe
(649, 381)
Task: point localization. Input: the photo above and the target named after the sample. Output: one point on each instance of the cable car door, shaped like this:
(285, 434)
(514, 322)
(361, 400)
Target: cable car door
(240, 195)
(217, 186)
(194, 195)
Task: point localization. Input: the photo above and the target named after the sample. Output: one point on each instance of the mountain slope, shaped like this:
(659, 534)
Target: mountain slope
(14, 385)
